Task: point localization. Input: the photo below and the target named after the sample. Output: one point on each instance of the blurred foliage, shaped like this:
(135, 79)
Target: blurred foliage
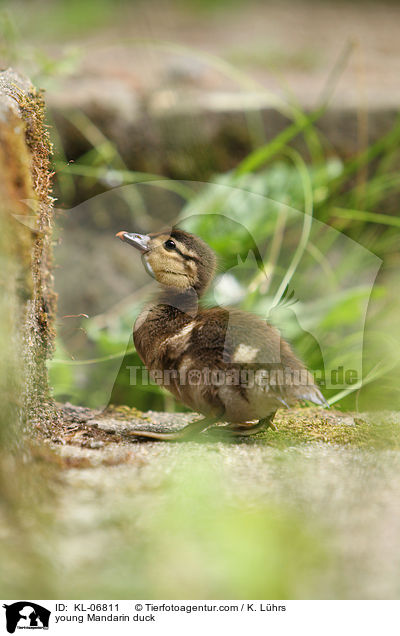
(327, 272)
(58, 19)
(191, 531)
(357, 197)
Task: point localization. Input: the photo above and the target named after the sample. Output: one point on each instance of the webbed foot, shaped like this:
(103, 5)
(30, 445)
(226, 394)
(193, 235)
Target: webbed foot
(184, 434)
(250, 429)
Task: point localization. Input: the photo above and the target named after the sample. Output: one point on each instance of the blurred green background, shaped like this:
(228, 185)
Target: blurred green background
(81, 54)
(242, 122)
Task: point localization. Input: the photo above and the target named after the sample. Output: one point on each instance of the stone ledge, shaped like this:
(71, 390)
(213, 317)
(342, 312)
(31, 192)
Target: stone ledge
(191, 135)
(88, 438)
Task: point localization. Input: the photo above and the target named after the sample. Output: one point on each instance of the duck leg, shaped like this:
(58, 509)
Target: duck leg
(262, 424)
(268, 422)
(185, 433)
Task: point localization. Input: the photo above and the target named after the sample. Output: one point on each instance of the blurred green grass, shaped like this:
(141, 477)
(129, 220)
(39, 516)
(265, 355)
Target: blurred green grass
(329, 190)
(356, 196)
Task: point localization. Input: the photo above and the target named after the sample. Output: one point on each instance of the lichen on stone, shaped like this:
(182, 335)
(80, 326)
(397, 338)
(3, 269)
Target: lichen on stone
(26, 224)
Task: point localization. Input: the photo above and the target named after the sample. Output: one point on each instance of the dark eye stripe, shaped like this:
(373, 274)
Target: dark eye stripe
(170, 245)
(186, 256)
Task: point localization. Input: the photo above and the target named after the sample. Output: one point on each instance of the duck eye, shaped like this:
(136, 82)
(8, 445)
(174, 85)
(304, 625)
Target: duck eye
(169, 245)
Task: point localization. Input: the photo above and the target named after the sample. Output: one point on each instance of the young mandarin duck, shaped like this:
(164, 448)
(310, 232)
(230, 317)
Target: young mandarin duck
(227, 364)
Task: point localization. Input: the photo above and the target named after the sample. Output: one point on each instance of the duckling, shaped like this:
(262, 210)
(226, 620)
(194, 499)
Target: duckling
(229, 365)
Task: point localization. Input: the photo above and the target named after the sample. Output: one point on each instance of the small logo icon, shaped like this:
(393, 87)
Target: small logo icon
(26, 615)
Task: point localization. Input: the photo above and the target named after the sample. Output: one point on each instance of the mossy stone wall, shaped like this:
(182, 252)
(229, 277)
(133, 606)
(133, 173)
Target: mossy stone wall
(27, 300)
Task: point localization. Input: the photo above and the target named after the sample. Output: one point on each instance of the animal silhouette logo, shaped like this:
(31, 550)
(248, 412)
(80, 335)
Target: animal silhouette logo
(26, 615)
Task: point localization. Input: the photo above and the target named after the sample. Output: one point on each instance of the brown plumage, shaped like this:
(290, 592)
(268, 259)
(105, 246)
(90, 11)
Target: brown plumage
(227, 364)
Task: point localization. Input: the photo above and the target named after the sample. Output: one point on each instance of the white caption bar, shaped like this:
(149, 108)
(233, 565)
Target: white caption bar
(149, 617)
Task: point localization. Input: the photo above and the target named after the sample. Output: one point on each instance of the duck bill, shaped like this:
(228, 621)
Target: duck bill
(140, 241)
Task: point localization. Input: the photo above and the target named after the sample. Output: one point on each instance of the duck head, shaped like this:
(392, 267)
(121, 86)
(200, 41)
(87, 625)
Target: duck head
(175, 258)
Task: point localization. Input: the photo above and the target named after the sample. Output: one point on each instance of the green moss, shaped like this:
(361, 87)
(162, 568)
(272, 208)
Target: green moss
(122, 412)
(306, 426)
